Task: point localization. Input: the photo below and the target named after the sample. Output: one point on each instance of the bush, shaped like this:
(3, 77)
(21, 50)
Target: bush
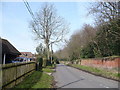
(39, 63)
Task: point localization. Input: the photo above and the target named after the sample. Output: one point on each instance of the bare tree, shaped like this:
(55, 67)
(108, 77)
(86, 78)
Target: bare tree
(107, 15)
(48, 26)
(105, 11)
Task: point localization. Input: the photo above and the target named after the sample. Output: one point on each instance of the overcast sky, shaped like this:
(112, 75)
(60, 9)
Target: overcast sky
(15, 21)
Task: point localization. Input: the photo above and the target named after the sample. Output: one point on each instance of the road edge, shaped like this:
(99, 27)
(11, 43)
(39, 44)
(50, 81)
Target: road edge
(95, 74)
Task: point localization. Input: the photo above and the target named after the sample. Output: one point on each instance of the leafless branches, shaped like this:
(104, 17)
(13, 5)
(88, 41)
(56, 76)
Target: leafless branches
(48, 26)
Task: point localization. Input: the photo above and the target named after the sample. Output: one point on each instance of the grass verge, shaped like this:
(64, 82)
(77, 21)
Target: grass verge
(48, 70)
(37, 80)
(97, 71)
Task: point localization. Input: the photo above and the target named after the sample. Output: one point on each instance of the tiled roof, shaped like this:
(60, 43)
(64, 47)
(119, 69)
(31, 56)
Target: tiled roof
(28, 53)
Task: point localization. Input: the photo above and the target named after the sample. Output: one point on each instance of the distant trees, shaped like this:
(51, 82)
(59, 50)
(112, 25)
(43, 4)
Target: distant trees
(74, 48)
(48, 27)
(99, 41)
(40, 49)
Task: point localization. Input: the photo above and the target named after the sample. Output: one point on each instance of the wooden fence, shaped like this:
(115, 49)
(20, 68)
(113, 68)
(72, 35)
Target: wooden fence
(14, 73)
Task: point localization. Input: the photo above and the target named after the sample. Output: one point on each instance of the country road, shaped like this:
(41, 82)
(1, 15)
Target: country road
(68, 77)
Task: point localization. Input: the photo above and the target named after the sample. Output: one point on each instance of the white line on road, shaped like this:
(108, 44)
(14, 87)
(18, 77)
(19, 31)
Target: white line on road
(104, 86)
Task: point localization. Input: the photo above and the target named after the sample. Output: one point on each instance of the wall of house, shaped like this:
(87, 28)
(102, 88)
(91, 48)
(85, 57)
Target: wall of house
(14, 73)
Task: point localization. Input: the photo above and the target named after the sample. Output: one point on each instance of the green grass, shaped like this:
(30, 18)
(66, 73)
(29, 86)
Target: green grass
(47, 70)
(36, 80)
(114, 56)
(44, 82)
(98, 71)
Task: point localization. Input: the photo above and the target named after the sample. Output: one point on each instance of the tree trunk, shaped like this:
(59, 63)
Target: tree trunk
(51, 52)
(48, 54)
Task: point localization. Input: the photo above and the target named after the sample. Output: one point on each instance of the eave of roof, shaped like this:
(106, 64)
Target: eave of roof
(8, 48)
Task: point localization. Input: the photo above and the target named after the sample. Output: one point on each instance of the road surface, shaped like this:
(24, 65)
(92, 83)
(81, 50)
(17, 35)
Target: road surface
(68, 77)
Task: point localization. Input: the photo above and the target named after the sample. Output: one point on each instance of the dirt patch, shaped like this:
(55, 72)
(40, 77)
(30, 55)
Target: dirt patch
(54, 83)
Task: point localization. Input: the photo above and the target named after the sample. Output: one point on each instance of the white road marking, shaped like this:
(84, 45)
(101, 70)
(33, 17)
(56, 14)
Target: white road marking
(106, 87)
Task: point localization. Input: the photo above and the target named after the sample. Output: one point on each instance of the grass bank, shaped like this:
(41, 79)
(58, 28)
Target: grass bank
(38, 79)
(97, 71)
(48, 70)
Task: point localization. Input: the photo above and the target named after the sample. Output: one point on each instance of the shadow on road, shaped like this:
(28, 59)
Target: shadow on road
(71, 83)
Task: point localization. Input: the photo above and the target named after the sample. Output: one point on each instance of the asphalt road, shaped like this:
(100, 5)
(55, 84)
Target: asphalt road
(68, 77)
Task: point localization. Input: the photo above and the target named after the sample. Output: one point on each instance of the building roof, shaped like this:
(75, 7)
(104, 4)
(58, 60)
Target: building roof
(8, 48)
(28, 53)
(25, 52)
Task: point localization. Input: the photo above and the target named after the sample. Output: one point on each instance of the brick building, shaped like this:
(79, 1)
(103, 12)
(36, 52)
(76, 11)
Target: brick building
(26, 54)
